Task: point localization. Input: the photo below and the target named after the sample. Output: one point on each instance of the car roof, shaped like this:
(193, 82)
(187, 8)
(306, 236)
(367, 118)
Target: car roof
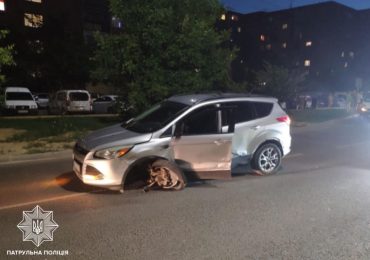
(112, 96)
(199, 98)
(17, 89)
(73, 90)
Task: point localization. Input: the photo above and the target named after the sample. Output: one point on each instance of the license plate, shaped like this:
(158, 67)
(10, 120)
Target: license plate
(76, 167)
(22, 111)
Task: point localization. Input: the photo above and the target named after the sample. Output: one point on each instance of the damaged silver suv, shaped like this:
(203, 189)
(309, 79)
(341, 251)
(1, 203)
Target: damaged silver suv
(200, 135)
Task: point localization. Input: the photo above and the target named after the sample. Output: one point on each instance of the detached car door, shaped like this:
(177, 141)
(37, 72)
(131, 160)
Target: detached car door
(200, 147)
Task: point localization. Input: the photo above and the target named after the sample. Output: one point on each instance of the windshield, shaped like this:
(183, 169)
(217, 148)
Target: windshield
(18, 96)
(156, 117)
(78, 96)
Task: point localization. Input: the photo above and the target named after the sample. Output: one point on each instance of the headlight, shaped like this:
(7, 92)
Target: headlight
(113, 153)
(10, 106)
(363, 109)
(33, 107)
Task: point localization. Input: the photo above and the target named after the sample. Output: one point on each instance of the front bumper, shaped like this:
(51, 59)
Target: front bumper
(21, 111)
(98, 172)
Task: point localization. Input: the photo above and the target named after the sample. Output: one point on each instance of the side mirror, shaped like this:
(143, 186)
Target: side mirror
(178, 130)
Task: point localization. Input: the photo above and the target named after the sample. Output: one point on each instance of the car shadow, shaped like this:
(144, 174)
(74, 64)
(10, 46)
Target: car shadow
(70, 182)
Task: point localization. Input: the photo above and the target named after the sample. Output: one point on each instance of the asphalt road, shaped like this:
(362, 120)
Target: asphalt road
(317, 207)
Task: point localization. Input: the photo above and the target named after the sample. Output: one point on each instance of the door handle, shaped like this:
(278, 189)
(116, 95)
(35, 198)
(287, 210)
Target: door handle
(256, 127)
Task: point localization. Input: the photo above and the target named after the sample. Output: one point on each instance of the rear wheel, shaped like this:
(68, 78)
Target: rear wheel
(267, 159)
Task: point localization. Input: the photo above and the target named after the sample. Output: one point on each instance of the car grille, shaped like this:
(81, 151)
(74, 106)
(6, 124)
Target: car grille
(80, 150)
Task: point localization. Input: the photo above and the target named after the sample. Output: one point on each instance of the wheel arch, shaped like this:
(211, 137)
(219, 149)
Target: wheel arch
(136, 165)
(272, 140)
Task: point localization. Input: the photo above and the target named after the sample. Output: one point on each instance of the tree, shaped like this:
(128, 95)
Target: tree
(279, 81)
(6, 56)
(167, 47)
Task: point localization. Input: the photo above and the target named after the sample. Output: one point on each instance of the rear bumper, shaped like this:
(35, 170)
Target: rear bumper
(75, 109)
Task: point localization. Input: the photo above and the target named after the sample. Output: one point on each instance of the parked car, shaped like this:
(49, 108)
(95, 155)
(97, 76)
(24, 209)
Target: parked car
(70, 101)
(364, 106)
(202, 135)
(105, 104)
(42, 100)
(19, 100)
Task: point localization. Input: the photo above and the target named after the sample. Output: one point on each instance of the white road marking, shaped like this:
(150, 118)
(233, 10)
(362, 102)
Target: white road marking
(343, 146)
(294, 155)
(18, 205)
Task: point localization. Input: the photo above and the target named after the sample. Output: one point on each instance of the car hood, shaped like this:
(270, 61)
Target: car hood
(112, 136)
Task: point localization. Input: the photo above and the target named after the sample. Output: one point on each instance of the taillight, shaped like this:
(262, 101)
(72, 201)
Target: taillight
(284, 119)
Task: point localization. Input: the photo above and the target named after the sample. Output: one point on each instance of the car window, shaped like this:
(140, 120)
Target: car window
(99, 100)
(78, 96)
(263, 108)
(242, 111)
(202, 121)
(156, 117)
(43, 96)
(18, 96)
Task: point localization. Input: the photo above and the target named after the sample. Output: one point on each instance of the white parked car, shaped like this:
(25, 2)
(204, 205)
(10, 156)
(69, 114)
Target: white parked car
(19, 100)
(70, 101)
(42, 100)
(105, 104)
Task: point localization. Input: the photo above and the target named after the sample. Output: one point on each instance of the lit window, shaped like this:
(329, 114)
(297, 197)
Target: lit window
(262, 38)
(342, 55)
(308, 43)
(234, 18)
(268, 47)
(36, 46)
(35, 1)
(307, 63)
(2, 5)
(116, 22)
(284, 45)
(351, 54)
(33, 20)
(239, 29)
(285, 26)
(346, 64)
(223, 17)
(241, 61)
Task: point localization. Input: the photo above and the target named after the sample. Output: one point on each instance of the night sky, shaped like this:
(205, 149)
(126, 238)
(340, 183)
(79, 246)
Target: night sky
(249, 6)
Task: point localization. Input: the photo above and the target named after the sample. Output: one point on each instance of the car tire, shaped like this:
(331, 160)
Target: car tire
(173, 170)
(267, 159)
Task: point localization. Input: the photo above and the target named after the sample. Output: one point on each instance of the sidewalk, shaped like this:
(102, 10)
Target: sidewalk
(4, 159)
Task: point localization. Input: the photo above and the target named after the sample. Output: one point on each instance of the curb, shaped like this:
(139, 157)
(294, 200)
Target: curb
(304, 124)
(35, 157)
